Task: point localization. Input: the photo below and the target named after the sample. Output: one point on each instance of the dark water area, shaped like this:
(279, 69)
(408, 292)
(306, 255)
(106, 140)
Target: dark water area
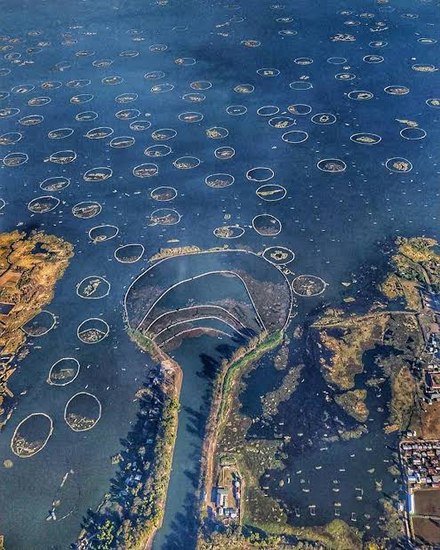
(333, 222)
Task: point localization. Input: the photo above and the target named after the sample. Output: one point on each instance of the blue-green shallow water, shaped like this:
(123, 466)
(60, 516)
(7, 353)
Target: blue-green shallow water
(331, 221)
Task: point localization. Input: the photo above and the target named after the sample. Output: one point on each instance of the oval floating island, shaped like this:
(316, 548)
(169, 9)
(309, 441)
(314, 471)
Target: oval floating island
(82, 412)
(63, 372)
(31, 435)
(129, 253)
(308, 285)
(93, 330)
(267, 225)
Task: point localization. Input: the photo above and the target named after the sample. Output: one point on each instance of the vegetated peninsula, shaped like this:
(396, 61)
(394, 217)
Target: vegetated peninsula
(30, 266)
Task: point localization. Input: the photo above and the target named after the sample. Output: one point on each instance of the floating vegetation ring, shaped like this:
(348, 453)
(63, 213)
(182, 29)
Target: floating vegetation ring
(345, 76)
(163, 194)
(236, 110)
(78, 83)
(260, 174)
(281, 122)
(140, 125)
(39, 101)
(81, 98)
(103, 233)
(128, 114)
(158, 48)
(217, 132)
(308, 285)
(101, 173)
(92, 330)
(427, 40)
(278, 255)
(378, 44)
(224, 153)
(126, 98)
(268, 72)
(63, 157)
(373, 58)
(157, 151)
(55, 183)
(194, 97)
(267, 225)
(333, 166)
(424, 68)
(186, 163)
(15, 159)
(51, 85)
(244, 88)
(268, 110)
(295, 136)
(219, 181)
(337, 60)
(9, 112)
(22, 89)
(5, 71)
(399, 165)
(433, 102)
(185, 61)
(10, 138)
(112, 80)
(162, 88)
(82, 412)
(86, 209)
(323, 118)
(360, 95)
(154, 75)
(40, 325)
(102, 63)
(364, 138)
(63, 372)
(122, 142)
(164, 134)
(190, 117)
(303, 60)
(129, 54)
(101, 132)
(201, 85)
(93, 287)
(129, 253)
(31, 120)
(165, 216)
(146, 170)
(287, 32)
(4, 95)
(271, 192)
(413, 134)
(301, 85)
(299, 109)
(229, 232)
(86, 116)
(249, 43)
(44, 204)
(31, 435)
(396, 90)
(60, 133)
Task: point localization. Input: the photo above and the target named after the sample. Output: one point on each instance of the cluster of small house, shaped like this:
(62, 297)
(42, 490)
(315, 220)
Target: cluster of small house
(421, 462)
(224, 507)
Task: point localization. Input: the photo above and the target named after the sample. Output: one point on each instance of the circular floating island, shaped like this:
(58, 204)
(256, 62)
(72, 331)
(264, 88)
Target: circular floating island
(55, 183)
(93, 330)
(129, 253)
(268, 110)
(301, 85)
(396, 90)
(164, 134)
(299, 109)
(413, 134)
(86, 209)
(60, 133)
(93, 287)
(308, 285)
(63, 372)
(364, 138)
(360, 95)
(236, 110)
(13, 160)
(82, 412)
(102, 233)
(217, 132)
(433, 102)
(399, 164)
(101, 173)
(86, 116)
(31, 120)
(279, 255)
(165, 216)
(186, 163)
(44, 204)
(295, 136)
(146, 170)
(271, 192)
(219, 181)
(31, 435)
(140, 125)
(40, 325)
(224, 153)
(333, 166)
(229, 232)
(267, 225)
(157, 151)
(10, 138)
(128, 114)
(260, 174)
(281, 122)
(63, 157)
(122, 142)
(323, 118)
(163, 194)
